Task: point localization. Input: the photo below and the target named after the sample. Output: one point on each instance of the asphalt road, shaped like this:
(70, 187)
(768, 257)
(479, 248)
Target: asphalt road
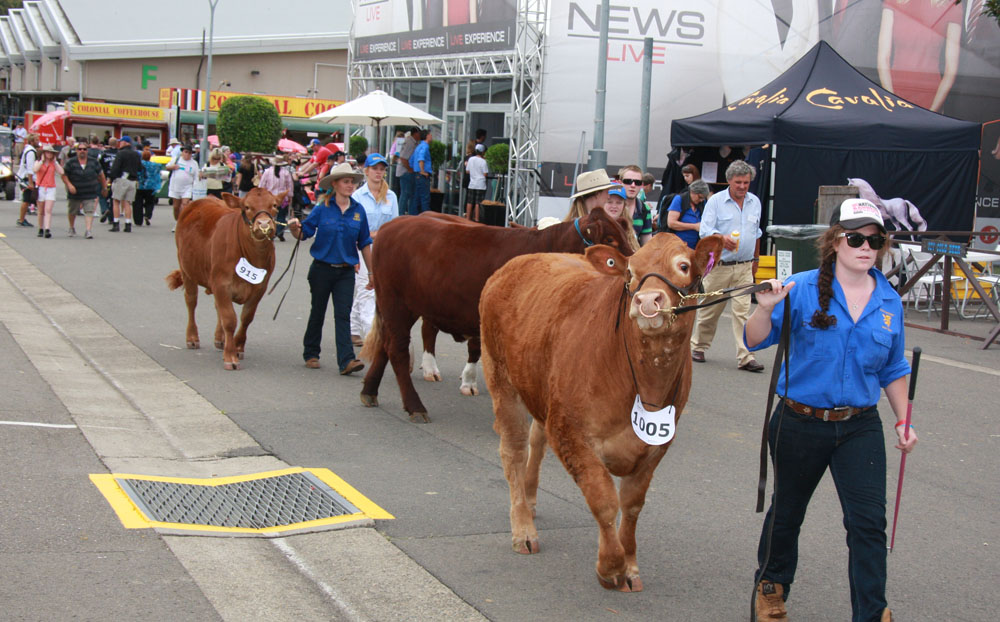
(444, 483)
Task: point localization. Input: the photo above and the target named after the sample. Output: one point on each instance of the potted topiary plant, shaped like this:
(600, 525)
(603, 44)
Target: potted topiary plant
(494, 212)
(438, 154)
(357, 147)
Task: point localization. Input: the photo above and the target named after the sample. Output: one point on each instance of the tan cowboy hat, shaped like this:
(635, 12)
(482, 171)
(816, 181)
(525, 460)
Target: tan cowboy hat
(277, 160)
(50, 149)
(173, 141)
(341, 170)
(591, 182)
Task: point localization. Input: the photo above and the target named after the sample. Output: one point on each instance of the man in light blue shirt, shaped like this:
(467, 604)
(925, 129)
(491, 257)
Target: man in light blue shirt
(735, 215)
(420, 162)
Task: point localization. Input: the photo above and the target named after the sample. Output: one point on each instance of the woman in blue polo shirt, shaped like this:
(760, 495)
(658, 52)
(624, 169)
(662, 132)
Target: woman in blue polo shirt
(846, 344)
(341, 229)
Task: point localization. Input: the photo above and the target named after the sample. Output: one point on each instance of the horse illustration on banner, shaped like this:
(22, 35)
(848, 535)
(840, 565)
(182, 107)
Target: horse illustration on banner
(902, 213)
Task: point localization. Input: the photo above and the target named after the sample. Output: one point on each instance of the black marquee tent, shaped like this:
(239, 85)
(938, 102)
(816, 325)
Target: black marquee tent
(830, 123)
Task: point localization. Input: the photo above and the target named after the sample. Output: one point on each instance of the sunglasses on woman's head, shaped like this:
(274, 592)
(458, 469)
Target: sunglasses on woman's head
(855, 240)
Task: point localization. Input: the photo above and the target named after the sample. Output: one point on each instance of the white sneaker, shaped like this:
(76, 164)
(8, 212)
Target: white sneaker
(72, 232)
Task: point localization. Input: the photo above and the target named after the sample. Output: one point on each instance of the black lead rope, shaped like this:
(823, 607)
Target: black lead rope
(780, 357)
(291, 264)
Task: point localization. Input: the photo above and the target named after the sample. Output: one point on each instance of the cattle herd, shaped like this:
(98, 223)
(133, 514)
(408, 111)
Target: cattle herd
(582, 351)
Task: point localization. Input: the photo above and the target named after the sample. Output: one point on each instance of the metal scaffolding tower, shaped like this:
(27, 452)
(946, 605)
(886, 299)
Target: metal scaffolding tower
(522, 65)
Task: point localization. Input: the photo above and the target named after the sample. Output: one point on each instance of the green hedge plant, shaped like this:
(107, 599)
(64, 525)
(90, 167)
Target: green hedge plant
(497, 157)
(248, 123)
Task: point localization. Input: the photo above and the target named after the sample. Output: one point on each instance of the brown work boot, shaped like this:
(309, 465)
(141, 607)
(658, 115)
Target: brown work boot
(312, 363)
(886, 616)
(352, 367)
(769, 606)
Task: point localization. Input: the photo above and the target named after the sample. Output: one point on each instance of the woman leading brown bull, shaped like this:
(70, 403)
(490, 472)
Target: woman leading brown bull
(846, 343)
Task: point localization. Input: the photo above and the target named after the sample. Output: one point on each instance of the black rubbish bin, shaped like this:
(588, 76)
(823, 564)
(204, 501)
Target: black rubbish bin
(795, 247)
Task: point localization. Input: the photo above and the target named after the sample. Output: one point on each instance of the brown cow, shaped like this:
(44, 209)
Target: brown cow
(568, 343)
(431, 267)
(213, 237)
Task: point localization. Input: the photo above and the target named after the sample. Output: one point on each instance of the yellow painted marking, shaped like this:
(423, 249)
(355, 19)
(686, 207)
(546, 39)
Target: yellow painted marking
(2, 235)
(133, 518)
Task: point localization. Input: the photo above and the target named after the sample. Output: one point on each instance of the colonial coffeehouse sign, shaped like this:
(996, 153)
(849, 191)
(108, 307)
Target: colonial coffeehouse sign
(117, 111)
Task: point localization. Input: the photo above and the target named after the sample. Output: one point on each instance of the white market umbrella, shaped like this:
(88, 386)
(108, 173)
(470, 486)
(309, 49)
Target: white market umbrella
(376, 108)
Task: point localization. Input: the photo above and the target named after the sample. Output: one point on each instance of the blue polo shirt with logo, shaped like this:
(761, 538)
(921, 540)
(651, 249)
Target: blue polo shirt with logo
(339, 235)
(846, 364)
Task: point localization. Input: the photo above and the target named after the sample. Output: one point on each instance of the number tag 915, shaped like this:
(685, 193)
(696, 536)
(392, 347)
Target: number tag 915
(246, 271)
(653, 428)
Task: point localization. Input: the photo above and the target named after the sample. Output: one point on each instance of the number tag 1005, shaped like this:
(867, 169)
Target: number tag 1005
(246, 271)
(653, 428)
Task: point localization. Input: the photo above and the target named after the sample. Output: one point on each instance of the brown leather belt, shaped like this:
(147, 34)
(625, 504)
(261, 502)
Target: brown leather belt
(736, 263)
(840, 413)
(340, 265)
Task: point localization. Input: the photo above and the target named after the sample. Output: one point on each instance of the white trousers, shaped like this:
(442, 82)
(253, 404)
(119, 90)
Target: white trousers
(363, 309)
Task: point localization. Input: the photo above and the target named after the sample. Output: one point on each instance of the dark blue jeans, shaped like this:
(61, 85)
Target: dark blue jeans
(325, 282)
(420, 202)
(405, 192)
(854, 451)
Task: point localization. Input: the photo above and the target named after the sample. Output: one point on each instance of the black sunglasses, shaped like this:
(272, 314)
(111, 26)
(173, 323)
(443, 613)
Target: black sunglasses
(855, 240)
(632, 182)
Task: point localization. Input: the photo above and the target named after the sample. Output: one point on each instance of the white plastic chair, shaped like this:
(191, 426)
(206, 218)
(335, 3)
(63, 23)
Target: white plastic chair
(926, 286)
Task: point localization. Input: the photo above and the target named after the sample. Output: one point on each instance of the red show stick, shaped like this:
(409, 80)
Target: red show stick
(906, 434)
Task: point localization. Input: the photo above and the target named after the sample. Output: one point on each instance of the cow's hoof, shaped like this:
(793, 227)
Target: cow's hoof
(369, 400)
(634, 584)
(193, 345)
(432, 377)
(219, 345)
(526, 546)
(469, 390)
(230, 366)
(612, 584)
(419, 417)
(239, 355)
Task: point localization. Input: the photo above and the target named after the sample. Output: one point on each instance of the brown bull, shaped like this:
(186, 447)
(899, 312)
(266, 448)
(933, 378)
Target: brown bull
(433, 267)
(568, 342)
(226, 247)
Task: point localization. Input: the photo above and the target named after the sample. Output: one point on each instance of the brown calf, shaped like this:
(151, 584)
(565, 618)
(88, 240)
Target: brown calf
(568, 342)
(432, 267)
(224, 246)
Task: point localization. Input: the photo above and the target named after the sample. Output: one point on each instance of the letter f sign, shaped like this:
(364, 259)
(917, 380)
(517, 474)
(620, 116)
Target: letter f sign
(148, 75)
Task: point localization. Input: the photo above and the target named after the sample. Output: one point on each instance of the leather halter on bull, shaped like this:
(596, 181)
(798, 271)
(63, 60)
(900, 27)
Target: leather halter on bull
(271, 226)
(684, 293)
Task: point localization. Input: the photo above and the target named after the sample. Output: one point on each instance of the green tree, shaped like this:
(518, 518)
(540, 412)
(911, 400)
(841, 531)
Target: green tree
(249, 123)
(7, 5)
(438, 154)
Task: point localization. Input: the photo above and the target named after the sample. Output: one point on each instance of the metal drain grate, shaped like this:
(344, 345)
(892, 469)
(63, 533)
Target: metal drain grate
(255, 504)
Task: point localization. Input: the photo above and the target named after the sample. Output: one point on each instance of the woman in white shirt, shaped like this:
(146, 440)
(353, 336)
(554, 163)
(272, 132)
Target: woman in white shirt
(182, 181)
(380, 207)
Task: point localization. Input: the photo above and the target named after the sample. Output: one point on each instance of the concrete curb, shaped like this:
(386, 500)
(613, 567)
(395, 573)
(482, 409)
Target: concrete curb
(140, 418)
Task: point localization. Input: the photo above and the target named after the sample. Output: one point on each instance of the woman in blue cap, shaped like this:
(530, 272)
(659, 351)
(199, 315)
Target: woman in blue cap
(380, 206)
(615, 207)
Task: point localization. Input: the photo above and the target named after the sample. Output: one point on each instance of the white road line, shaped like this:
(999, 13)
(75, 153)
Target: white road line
(303, 567)
(40, 425)
(959, 364)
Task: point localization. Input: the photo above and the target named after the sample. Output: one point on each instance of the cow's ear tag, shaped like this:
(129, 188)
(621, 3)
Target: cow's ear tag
(606, 260)
(653, 427)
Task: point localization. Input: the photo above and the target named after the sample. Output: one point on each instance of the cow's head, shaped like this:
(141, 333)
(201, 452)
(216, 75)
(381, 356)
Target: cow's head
(259, 208)
(599, 228)
(657, 276)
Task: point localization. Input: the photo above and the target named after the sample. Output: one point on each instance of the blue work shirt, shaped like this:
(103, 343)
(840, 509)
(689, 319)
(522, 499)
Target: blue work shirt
(846, 364)
(689, 215)
(422, 152)
(339, 235)
(723, 215)
(377, 214)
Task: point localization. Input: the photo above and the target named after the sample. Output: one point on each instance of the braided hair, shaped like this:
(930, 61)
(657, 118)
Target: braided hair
(827, 248)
